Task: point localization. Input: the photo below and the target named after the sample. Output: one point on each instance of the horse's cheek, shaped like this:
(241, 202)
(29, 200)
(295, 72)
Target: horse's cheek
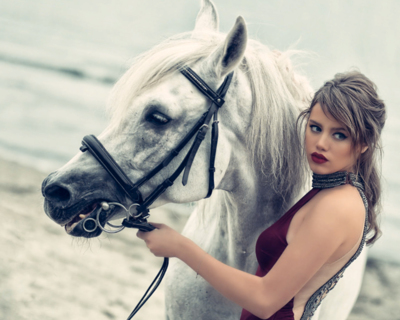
(147, 150)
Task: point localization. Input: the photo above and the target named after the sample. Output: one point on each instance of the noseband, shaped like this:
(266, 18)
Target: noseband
(138, 219)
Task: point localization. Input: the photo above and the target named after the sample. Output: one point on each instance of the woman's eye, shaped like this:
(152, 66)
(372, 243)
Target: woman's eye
(315, 128)
(157, 118)
(339, 136)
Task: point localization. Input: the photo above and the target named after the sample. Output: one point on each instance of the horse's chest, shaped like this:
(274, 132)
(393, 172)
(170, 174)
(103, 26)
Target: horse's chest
(188, 296)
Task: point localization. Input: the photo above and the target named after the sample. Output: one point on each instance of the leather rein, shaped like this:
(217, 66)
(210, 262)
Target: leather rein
(138, 219)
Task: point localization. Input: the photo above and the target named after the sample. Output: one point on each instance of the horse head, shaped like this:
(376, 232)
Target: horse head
(153, 106)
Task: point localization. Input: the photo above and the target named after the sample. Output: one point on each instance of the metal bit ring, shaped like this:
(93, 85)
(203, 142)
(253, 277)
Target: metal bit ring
(87, 229)
(130, 214)
(118, 228)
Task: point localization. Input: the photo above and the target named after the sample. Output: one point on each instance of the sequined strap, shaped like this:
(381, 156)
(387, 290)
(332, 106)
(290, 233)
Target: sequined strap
(323, 181)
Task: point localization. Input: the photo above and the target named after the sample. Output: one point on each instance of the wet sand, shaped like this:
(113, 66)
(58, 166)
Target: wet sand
(46, 274)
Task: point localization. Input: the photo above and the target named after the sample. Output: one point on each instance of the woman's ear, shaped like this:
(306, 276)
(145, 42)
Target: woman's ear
(364, 148)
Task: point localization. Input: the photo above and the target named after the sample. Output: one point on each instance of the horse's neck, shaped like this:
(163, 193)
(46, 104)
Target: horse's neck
(228, 224)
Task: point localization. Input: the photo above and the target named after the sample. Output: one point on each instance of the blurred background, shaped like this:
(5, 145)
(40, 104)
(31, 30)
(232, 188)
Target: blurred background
(59, 60)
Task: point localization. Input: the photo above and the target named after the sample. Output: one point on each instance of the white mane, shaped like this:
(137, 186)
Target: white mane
(278, 95)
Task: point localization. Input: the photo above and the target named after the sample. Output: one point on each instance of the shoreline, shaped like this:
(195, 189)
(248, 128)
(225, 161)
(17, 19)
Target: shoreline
(46, 274)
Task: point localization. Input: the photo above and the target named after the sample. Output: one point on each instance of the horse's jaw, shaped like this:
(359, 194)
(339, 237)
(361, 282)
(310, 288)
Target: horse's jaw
(69, 200)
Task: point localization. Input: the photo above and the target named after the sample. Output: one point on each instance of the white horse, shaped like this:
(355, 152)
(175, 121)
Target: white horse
(259, 162)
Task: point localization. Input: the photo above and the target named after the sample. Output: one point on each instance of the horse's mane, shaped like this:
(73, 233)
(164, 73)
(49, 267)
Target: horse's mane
(278, 95)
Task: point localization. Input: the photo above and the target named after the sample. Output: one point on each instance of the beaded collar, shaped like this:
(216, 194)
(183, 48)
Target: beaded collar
(323, 181)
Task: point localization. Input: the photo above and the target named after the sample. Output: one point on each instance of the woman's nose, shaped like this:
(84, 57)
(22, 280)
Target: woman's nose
(323, 142)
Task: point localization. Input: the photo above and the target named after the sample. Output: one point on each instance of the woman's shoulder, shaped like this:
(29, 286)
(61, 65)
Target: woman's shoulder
(341, 205)
(330, 223)
(333, 220)
(340, 199)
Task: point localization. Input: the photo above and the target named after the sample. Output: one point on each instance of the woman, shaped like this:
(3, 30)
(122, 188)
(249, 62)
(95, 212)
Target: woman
(303, 255)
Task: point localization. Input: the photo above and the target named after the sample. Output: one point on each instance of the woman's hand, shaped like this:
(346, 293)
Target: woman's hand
(163, 241)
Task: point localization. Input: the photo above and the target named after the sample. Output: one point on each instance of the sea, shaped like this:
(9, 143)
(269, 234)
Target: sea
(60, 59)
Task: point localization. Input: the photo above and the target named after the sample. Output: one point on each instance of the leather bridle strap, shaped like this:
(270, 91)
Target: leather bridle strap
(216, 98)
(174, 152)
(216, 102)
(213, 152)
(91, 143)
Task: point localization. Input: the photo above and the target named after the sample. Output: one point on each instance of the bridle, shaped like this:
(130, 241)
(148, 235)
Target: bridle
(139, 218)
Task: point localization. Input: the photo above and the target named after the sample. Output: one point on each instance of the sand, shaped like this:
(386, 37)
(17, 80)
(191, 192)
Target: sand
(46, 274)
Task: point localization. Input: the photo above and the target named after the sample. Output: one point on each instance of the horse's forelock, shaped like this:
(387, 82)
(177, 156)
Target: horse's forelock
(278, 95)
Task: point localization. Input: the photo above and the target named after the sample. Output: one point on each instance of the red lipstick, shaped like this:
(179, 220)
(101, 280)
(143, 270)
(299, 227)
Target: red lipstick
(318, 158)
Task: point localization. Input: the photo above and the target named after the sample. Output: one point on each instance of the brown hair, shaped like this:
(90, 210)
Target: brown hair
(352, 99)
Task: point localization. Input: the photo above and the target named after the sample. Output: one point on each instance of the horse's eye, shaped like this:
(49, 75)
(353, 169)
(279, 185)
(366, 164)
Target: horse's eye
(157, 118)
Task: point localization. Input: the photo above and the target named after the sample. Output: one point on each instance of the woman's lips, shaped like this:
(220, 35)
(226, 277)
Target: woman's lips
(318, 158)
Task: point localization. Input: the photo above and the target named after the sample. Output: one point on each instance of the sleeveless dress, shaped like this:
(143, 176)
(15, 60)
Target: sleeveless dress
(272, 242)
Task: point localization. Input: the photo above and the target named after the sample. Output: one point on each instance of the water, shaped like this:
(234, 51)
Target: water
(59, 59)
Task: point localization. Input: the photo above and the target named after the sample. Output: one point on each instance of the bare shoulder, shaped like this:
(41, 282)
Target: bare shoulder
(340, 199)
(341, 205)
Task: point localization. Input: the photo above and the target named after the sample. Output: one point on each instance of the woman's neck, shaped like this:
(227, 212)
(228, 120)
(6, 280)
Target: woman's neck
(323, 181)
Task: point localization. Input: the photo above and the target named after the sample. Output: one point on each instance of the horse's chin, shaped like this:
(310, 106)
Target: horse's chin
(78, 231)
(75, 226)
(79, 214)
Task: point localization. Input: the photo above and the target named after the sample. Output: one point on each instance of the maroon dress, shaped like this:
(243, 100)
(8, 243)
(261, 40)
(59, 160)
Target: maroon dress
(270, 246)
(272, 242)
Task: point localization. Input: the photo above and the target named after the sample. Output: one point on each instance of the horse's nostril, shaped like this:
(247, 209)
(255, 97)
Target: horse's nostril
(56, 193)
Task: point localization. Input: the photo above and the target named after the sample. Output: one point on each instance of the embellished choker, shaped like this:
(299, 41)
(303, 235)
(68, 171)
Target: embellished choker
(323, 181)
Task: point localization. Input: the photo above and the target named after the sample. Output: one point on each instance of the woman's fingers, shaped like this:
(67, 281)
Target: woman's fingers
(142, 234)
(158, 225)
(163, 241)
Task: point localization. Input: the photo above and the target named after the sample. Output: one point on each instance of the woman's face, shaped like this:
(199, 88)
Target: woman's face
(328, 144)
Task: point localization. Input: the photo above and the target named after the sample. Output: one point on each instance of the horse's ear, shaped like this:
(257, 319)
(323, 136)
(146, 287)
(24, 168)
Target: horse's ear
(207, 19)
(230, 53)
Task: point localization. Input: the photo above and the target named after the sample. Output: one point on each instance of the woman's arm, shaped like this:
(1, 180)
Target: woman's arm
(236, 285)
(324, 230)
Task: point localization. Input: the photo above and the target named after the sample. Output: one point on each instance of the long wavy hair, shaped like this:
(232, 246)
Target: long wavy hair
(351, 99)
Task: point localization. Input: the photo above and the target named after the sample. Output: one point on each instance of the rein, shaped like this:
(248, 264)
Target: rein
(138, 219)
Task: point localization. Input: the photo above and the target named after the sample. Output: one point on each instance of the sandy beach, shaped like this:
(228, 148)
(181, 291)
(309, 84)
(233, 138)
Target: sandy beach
(46, 274)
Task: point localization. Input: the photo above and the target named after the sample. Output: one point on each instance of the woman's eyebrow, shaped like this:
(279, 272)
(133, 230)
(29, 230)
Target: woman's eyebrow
(315, 122)
(333, 129)
(339, 129)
